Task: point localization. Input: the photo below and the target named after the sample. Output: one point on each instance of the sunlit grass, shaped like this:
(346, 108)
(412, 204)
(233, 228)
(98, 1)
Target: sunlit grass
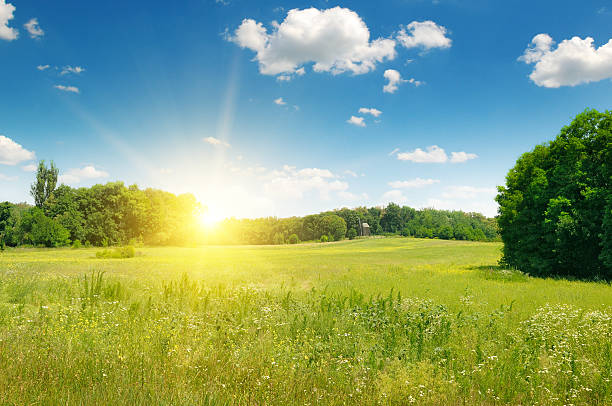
(381, 321)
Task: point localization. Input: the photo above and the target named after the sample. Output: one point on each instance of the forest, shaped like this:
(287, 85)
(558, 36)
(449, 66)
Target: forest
(116, 214)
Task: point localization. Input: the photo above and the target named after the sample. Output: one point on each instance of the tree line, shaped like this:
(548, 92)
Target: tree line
(116, 214)
(345, 223)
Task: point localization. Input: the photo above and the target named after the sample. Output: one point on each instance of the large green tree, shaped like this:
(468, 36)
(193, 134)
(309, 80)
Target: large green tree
(556, 207)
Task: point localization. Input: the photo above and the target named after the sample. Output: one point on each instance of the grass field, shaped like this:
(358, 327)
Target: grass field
(380, 321)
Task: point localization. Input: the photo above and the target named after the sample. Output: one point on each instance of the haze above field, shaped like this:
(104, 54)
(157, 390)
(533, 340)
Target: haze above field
(262, 108)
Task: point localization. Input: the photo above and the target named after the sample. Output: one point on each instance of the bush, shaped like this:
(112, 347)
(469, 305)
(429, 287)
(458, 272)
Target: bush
(293, 239)
(555, 208)
(76, 244)
(324, 238)
(351, 234)
(120, 253)
(39, 230)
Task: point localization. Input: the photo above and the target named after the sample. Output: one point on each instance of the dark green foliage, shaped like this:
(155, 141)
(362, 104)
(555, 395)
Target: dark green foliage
(555, 210)
(324, 238)
(34, 228)
(293, 239)
(44, 185)
(351, 234)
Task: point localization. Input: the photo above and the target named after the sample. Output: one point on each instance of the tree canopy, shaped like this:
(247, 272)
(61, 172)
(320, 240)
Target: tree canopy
(556, 208)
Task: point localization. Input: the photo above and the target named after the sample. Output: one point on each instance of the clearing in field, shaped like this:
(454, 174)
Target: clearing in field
(377, 321)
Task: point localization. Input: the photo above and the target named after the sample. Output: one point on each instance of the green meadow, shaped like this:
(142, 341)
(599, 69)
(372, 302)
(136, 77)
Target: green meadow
(374, 321)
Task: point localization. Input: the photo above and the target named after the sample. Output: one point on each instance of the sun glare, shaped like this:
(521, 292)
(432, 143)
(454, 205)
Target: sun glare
(210, 219)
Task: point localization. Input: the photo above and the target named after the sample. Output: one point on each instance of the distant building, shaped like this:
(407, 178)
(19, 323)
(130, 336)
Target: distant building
(365, 230)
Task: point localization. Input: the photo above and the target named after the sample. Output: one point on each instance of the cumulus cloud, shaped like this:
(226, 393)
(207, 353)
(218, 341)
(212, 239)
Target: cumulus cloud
(29, 168)
(72, 69)
(572, 62)
(290, 182)
(280, 101)
(374, 112)
(460, 157)
(77, 175)
(434, 154)
(358, 121)
(69, 89)
(394, 196)
(43, 67)
(394, 80)
(7, 178)
(34, 29)
(413, 183)
(335, 40)
(12, 153)
(216, 142)
(6, 14)
(468, 192)
(424, 34)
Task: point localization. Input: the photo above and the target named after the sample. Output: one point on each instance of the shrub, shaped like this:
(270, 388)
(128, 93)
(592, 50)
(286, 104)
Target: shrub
(39, 230)
(76, 244)
(293, 239)
(120, 253)
(324, 238)
(351, 233)
(555, 208)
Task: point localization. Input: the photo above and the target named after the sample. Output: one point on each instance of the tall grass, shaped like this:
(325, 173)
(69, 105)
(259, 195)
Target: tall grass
(142, 336)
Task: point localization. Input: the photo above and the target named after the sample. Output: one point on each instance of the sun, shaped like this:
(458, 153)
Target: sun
(209, 219)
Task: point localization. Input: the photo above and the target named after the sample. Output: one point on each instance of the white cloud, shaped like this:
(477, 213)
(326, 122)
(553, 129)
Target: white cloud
(433, 154)
(12, 153)
(7, 178)
(72, 69)
(573, 62)
(29, 168)
(43, 67)
(358, 121)
(415, 82)
(280, 101)
(485, 205)
(372, 111)
(292, 183)
(413, 183)
(395, 151)
(70, 89)
(336, 40)
(394, 78)
(77, 175)
(216, 142)
(424, 34)
(34, 29)
(166, 171)
(468, 192)
(460, 157)
(6, 14)
(348, 172)
(394, 196)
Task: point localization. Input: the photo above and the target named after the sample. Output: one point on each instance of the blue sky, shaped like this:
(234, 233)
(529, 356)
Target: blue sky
(248, 105)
